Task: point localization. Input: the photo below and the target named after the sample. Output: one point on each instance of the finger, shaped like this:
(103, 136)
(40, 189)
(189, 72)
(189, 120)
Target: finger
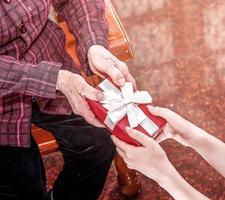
(113, 72)
(88, 91)
(85, 111)
(120, 153)
(81, 107)
(125, 71)
(130, 167)
(158, 111)
(123, 146)
(140, 137)
(95, 122)
(131, 79)
(161, 137)
(96, 72)
(91, 119)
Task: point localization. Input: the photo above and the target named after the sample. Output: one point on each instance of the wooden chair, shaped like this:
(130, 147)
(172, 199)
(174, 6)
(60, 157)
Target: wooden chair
(120, 47)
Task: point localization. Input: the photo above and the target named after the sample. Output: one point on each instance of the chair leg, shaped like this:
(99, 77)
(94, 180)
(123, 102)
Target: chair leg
(128, 180)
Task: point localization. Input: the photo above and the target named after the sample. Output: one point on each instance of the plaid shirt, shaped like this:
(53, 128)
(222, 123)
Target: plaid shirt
(32, 53)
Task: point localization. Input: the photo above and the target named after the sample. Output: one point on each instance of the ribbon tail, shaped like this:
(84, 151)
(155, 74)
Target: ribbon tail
(135, 115)
(113, 117)
(150, 127)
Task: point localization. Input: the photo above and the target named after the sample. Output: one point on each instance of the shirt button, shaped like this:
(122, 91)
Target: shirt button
(7, 1)
(22, 28)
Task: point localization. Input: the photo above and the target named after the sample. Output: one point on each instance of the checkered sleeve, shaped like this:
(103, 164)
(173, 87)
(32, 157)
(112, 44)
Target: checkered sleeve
(24, 78)
(86, 20)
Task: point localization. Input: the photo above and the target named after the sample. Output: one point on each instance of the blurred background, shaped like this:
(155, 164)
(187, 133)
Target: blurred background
(179, 57)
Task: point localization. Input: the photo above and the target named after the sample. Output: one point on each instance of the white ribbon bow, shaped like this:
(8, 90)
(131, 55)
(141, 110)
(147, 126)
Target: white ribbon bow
(124, 102)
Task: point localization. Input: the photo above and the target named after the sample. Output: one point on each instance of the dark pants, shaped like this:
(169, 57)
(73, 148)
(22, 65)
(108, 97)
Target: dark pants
(87, 153)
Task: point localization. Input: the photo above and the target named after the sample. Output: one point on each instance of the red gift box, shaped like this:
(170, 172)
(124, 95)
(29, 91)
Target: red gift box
(151, 125)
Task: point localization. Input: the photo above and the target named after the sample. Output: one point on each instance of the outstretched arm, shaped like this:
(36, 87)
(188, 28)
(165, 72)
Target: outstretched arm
(151, 160)
(211, 148)
(178, 128)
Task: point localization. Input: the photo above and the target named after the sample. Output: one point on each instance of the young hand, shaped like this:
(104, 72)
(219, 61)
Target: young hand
(103, 63)
(149, 159)
(176, 128)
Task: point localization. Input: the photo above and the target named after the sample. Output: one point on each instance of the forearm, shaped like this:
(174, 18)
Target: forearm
(178, 188)
(28, 79)
(211, 148)
(86, 21)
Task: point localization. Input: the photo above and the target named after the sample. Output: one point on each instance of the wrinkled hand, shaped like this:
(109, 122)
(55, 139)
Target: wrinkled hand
(176, 128)
(74, 87)
(104, 64)
(150, 159)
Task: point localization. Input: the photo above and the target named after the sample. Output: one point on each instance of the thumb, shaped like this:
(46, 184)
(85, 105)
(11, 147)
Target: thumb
(140, 137)
(158, 111)
(161, 137)
(113, 72)
(88, 91)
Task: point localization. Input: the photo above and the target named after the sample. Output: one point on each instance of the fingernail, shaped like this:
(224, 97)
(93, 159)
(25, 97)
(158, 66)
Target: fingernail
(121, 81)
(112, 137)
(128, 129)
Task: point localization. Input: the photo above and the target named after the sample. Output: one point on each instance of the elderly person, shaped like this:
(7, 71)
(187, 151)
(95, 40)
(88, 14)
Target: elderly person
(39, 84)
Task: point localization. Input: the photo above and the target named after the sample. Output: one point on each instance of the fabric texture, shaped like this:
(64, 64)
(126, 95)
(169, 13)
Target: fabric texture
(85, 163)
(32, 53)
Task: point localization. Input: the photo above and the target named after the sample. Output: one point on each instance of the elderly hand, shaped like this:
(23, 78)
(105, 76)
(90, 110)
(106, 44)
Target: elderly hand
(103, 63)
(150, 159)
(74, 87)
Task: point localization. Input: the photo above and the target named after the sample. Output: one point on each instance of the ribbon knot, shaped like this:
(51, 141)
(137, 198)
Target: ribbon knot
(127, 101)
(123, 102)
